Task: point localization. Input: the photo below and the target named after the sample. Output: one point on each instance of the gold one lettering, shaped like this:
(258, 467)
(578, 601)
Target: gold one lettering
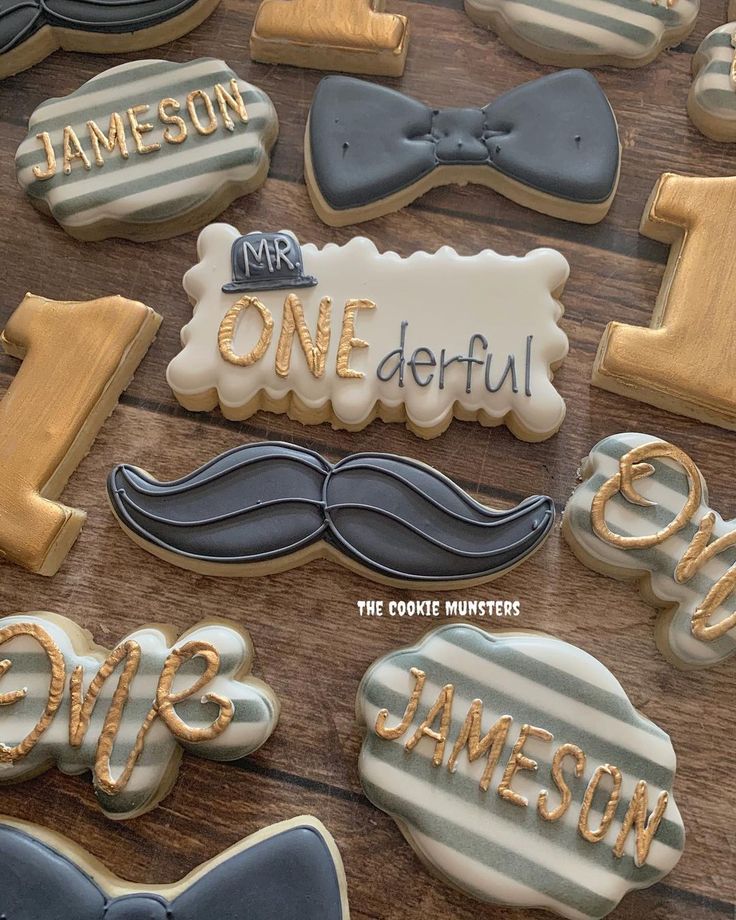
(293, 323)
(348, 341)
(229, 325)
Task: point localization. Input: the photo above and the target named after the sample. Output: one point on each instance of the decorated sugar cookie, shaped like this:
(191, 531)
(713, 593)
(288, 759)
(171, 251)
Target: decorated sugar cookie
(355, 36)
(265, 508)
(249, 881)
(126, 714)
(517, 768)
(641, 512)
(78, 357)
(624, 33)
(30, 30)
(551, 145)
(711, 103)
(346, 334)
(684, 362)
(147, 150)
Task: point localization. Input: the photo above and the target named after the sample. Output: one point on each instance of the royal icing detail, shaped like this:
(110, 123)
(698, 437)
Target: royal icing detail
(711, 103)
(419, 340)
(148, 149)
(78, 357)
(624, 33)
(685, 361)
(30, 30)
(271, 506)
(519, 771)
(355, 36)
(124, 714)
(551, 145)
(43, 868)
(642, 509)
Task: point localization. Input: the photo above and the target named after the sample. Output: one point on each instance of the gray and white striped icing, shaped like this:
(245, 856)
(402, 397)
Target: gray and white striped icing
(623, 32)
(492, 848)
(154, 187)
(255, 717)
(668, 489)
(713, 93)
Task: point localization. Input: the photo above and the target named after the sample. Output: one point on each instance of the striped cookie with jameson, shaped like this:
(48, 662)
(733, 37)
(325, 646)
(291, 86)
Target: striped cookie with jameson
(711, 103)
(518, 769)
(147, 150)
(587, 33)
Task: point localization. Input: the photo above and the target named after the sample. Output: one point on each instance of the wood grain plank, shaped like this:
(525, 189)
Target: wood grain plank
(311, 644)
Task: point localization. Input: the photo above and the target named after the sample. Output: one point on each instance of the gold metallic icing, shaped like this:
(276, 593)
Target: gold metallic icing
(685, 361)
(77, 358)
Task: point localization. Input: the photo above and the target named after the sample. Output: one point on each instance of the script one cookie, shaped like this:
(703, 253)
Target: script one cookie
(685, 362)
(78, 357)
(346, 334)
(265, 508)
(30, 30)
(147, 150)
(126, 714)
(642, 513)
(550, 145)
(355, 36)
(516, 767)
(623, 33)
(44, 870)
(711, 103)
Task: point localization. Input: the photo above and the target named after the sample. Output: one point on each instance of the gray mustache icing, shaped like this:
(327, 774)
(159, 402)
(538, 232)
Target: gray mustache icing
(394, 516)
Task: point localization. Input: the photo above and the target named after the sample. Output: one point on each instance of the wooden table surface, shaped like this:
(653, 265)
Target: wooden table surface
(311, 644)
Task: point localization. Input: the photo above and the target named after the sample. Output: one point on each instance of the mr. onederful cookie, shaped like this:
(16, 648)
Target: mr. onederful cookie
(551, 145)
(624, 33)
(346, 334)
(148, 149)
(30, 30)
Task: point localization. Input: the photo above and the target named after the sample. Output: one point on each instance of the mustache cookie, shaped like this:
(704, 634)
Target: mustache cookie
(623, 33)
(517, 768)
(147, 150)
(30, 30)
(265, 508)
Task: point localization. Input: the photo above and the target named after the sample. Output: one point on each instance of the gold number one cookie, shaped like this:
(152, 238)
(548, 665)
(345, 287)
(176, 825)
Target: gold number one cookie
(685, 362)
(78, 357)
(355, 36)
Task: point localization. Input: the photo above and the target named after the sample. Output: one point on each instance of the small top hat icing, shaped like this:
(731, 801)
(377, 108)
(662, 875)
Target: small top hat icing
(267, 262)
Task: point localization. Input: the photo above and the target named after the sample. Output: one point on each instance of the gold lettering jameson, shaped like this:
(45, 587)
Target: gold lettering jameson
(127, 658)
(633, 466)
(436, 726)
(205, 112)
